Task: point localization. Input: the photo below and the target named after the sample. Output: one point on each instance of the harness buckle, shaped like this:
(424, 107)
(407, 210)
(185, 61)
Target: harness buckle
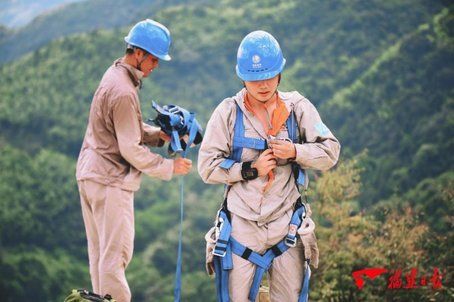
(220, 248)
(218, 227)
(291, 238)
(219, 254)
(290, 242)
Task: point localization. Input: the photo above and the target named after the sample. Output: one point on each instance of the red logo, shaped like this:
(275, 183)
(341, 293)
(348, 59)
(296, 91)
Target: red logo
(396, 280)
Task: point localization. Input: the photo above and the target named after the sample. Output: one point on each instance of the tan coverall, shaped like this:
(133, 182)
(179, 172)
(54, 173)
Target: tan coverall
(260, 220)
(110, 163)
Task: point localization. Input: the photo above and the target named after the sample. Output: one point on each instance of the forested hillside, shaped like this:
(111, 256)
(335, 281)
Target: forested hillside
(402, 106)
(381, 73)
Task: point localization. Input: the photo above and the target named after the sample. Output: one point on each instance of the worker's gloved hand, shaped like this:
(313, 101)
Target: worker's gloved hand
(211, 243)
(182, 166)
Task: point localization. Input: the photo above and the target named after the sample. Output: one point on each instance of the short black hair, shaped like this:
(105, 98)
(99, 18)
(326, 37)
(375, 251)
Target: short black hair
(130, 49)
(279, 81)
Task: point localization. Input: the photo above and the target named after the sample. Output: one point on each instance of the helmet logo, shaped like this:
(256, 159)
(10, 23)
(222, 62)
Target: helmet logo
(256, 61)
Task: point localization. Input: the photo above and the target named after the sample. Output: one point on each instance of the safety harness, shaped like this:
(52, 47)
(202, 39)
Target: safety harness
(177, 123)
(226, 244)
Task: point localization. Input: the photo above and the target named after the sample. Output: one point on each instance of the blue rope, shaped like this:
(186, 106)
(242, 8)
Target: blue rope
(177, 290)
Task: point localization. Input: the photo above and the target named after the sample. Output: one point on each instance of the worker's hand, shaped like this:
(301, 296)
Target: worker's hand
(283, 149)
(265, 163)
(181, 166)
(164, 136)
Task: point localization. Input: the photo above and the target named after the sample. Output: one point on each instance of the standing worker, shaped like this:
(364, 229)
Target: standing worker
(257, 143)
(113, 156)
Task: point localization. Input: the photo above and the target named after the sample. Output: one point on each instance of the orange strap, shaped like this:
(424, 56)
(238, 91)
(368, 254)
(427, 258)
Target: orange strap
(278, 119)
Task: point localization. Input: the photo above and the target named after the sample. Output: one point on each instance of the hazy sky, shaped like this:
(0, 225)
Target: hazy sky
(17, 13)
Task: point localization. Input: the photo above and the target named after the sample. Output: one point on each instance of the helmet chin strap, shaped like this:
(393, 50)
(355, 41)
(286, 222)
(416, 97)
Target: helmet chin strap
(139, 64)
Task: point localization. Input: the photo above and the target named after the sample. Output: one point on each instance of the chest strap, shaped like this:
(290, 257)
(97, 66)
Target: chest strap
(240, 141)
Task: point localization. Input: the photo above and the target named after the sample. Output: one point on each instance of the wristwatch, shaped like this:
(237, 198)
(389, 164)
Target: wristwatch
(247, 172)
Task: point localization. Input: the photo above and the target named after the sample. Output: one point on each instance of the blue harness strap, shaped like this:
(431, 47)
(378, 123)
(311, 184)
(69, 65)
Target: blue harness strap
(222, 259)
(304, 296)
(240, 141)
(192, 134)
(193, 129)
(226, 245)
(293, 133)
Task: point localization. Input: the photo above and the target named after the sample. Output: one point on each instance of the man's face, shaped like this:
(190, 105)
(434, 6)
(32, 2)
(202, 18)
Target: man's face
(262, 90)
(148, 64)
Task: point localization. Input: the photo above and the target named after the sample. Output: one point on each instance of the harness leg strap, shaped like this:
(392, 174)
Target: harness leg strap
(218, 279)
(258, 276)
(221, 280)
(225, 285)
(304, 296)
(223, 261)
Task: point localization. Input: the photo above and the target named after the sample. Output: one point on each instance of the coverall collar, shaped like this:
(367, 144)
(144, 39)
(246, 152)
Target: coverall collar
(255, 122)
(135, 74)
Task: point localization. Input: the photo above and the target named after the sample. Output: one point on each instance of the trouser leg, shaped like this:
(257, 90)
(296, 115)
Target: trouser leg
(286, 275)
(286, 272)
(240, 279)
(92, 234)
(113, 214)
(241, 276)
(117, 240)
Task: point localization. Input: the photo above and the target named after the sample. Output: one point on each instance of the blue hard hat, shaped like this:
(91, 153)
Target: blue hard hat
(259, 57)
(151, 36)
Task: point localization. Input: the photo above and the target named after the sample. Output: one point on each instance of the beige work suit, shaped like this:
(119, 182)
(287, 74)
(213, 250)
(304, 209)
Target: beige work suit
(109, 167)
(260, 219)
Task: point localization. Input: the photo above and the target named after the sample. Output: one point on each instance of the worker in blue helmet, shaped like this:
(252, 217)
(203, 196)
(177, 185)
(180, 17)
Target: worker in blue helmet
(259, 144)
(113, 157)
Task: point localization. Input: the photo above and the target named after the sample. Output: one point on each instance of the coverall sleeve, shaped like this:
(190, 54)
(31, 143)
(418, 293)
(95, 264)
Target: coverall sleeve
(151, 135)
(127, 128)
(216, 147)
(319, 149)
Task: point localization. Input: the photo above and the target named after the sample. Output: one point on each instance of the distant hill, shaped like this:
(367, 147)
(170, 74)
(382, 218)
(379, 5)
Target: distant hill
(15, 14)
(4, 32)
(83, 16)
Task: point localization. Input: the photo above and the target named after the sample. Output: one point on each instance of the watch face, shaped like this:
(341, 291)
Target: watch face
(250, 174)
(247, 172)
